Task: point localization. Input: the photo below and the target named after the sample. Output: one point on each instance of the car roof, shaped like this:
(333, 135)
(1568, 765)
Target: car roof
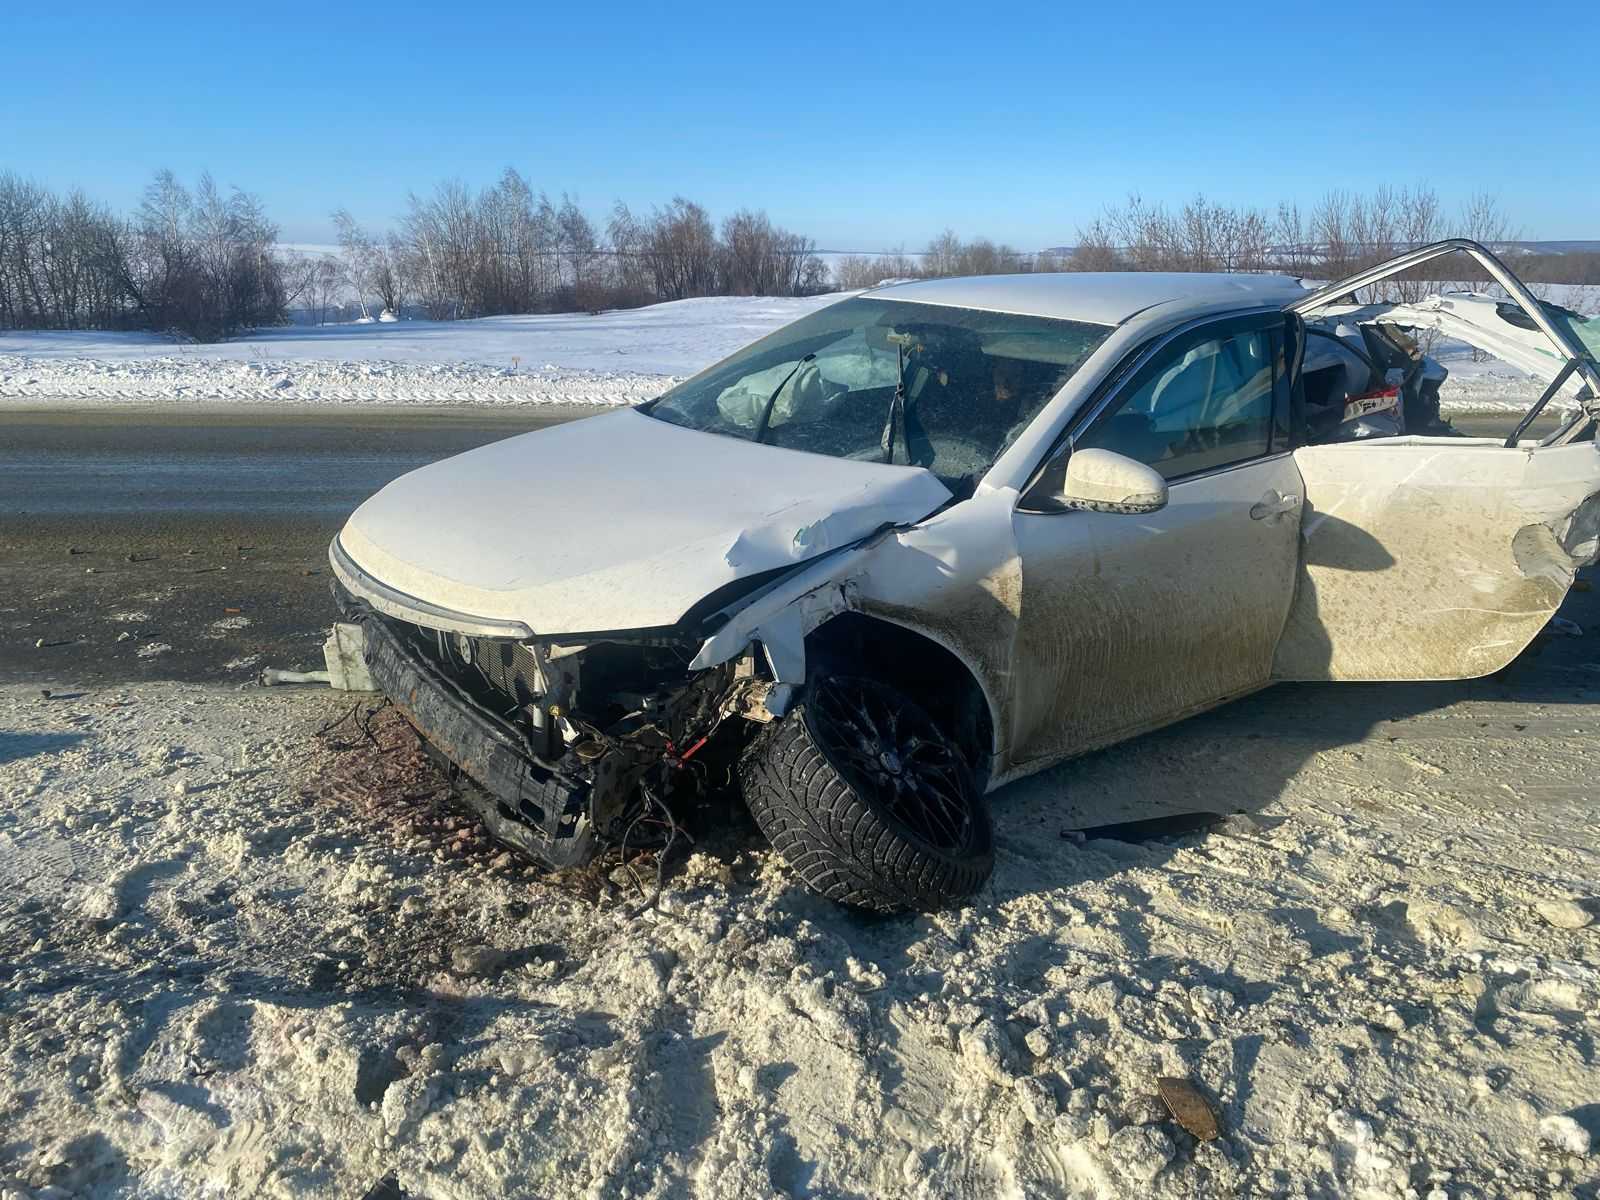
(1098, 297)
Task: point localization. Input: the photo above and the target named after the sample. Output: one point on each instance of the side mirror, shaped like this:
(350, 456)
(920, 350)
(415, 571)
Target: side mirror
(1104, 481)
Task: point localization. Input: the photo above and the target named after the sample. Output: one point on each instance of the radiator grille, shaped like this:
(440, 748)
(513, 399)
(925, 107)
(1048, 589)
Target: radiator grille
(509, 667)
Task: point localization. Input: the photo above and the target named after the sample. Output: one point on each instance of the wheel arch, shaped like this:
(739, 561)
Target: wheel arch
(921, 664)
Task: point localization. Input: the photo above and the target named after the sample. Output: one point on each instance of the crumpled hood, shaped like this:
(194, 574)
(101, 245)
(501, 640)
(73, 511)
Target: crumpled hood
(617, 522)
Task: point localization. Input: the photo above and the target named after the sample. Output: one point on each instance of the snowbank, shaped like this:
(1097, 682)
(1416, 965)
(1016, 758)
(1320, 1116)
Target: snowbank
(237, 960)
(619, 357)
(161, 379)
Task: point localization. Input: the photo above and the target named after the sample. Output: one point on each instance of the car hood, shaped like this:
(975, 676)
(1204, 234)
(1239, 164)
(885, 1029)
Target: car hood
(615, 522)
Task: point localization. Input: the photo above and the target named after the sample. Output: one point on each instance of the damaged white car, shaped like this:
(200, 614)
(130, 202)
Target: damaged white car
(942, 534)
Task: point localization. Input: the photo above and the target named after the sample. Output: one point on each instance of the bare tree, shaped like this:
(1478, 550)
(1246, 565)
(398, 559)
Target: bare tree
(760, 259)
(629, 240)
(1482, 220)
(580, 246)
(681, 249)
(204, 261)
(299, 274)
(327, 283)
(1096, 249)
(1293, 250)
(372, 264)
(855, 271)
(943, 256)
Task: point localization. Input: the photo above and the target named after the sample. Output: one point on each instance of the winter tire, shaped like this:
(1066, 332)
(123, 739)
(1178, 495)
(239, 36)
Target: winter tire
(868, 800)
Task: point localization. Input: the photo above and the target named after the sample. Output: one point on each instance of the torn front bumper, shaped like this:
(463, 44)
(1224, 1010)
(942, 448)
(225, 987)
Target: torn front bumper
(543, 812)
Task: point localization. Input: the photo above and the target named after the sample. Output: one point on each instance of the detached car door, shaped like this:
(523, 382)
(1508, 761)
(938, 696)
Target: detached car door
(1129, 621)
(1442, 557)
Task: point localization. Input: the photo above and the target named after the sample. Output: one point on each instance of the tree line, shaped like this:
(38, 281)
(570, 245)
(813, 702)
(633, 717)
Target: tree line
(196, 261)
(1342, 233)
(508, 249)
(207, 264)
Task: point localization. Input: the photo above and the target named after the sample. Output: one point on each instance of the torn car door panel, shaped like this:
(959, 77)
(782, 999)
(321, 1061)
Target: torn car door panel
(1434, 558)
(1442, 558)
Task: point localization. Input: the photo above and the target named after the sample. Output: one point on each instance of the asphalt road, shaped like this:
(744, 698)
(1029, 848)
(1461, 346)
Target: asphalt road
(192, 544)
(186, 543)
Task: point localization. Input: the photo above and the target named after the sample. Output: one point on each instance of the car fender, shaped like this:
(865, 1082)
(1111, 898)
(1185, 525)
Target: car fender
(954, 579)
(780, 616)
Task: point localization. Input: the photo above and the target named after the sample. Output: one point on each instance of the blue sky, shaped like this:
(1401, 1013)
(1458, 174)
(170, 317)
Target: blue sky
(863, 124)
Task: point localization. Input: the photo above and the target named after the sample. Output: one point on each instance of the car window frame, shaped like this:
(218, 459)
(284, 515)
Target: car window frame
(1115, 389)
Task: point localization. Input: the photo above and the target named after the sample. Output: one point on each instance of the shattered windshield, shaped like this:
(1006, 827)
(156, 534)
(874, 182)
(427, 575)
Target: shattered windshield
(888, 381)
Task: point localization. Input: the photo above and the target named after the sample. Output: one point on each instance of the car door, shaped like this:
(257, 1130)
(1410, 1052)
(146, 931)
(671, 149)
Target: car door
(1442, 557)
(1128, 621)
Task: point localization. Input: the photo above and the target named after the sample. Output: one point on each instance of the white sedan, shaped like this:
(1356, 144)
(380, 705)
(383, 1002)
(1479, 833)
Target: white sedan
(942, 534)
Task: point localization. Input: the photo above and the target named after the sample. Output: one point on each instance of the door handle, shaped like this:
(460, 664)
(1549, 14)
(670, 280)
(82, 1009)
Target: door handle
(1273, 505)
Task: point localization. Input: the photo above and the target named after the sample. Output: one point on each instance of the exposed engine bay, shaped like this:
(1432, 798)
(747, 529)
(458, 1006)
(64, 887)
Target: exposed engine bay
(575, 747)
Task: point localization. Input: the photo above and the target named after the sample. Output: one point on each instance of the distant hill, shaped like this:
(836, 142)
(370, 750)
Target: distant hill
(1577, 246)
(1591, 246)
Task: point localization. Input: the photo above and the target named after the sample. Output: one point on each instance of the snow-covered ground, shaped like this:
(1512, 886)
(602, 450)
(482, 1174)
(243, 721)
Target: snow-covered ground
(621, 357)
(239, 959)
(1490, 386)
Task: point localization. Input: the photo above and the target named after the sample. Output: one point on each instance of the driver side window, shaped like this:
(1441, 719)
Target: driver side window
(1206, 401)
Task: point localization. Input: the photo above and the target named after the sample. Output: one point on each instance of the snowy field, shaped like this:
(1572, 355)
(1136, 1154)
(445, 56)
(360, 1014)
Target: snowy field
(238, 959)
(621, 357)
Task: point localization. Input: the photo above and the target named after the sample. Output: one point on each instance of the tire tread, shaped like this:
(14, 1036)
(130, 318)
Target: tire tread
(837, 841)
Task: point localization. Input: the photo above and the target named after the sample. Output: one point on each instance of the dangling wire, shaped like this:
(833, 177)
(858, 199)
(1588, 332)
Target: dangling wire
(674, 832)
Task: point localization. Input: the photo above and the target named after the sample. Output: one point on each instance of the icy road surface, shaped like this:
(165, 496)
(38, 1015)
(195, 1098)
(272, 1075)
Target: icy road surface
(237, 958)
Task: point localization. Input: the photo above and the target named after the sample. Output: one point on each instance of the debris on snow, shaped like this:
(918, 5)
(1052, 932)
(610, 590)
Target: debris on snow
(1189, 1108)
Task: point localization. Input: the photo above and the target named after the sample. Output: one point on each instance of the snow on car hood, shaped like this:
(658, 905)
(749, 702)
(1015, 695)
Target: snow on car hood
(616, 522)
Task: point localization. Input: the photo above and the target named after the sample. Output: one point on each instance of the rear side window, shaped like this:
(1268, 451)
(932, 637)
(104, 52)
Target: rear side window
(1206, 401)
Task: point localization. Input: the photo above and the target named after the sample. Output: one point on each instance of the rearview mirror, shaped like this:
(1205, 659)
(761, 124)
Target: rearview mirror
(1104, 481)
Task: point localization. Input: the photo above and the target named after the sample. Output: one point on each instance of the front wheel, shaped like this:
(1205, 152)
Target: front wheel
(868, 800)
